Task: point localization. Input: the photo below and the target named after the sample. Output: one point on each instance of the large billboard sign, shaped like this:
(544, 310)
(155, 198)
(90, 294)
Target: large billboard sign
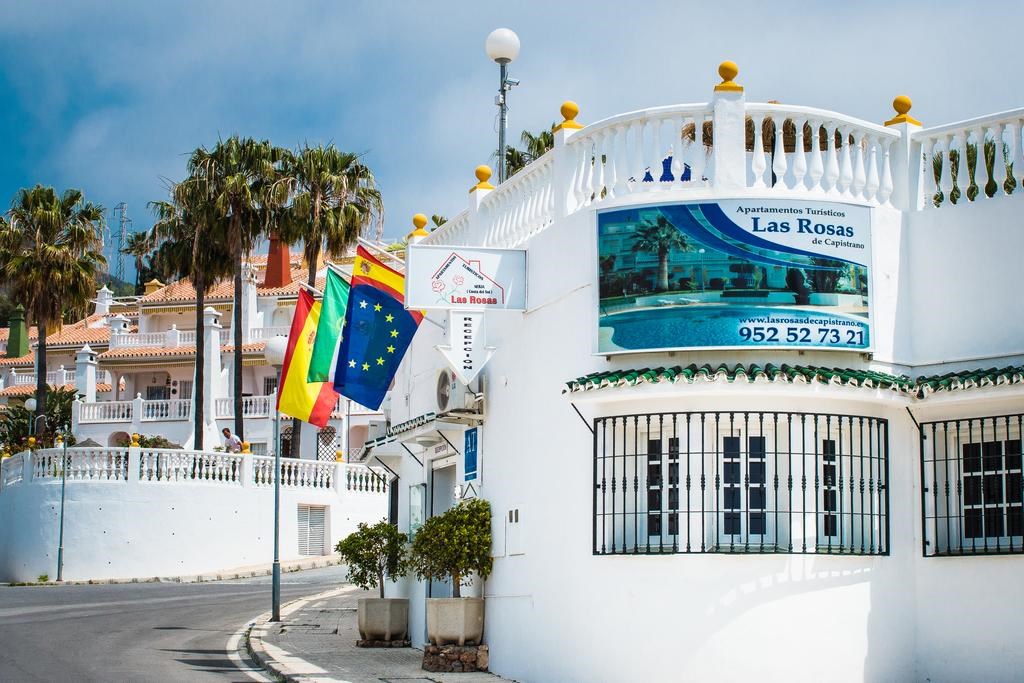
(465, 278)
(739, 273)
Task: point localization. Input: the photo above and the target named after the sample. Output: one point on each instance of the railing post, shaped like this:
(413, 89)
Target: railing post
(134, 464)
(476, 197)
(247, 471)
(173, 337)
(564, 166)
(905, 158)
(26, 465)
(137, 407)
(76, 413)
(729, 131)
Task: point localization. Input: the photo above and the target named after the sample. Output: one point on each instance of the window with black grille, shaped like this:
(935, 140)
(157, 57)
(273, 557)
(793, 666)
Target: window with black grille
(972, 490)
(769, 482)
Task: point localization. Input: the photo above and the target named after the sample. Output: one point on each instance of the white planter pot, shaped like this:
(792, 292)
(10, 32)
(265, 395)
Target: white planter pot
(383, 618)
(455, 620)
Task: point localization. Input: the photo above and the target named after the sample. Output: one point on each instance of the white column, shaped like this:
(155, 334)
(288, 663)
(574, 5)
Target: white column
(729, 149)
(905, 157)
(248, 301)
(137, 405)
(214, 385)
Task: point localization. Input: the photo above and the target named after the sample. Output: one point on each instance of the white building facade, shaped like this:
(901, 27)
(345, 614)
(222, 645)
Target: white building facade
(740, 511)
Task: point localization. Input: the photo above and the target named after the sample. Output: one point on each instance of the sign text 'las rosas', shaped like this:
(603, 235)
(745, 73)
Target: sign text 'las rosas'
(465, 278)
(734, 273)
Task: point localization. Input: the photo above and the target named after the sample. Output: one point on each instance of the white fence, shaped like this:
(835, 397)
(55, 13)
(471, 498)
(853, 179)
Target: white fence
(252, 406)
(169, 409)
(172, 466)
(777, 149)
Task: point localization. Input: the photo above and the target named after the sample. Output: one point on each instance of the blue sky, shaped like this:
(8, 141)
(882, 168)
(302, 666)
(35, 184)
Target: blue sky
(111, 96)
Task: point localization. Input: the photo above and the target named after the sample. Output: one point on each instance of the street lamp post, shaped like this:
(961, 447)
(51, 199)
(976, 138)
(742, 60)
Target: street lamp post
(63, 484)
(502, 46)
(274, 353)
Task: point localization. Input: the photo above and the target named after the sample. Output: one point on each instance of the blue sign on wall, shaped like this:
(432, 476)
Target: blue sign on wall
(470, 453)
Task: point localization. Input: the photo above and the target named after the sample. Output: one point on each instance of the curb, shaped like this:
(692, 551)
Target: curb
(286, 568)
(261, 654)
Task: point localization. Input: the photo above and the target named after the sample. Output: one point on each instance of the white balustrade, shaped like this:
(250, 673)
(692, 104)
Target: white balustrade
(138, 339)
(952, 170)
(521, 207)
(172, 465)
(23, 379)
(226, 337)
(262, 333)
(83, 464)
(187, 336)
(12, 470)
(252, 406)
(170, 409)
(106, 411)
(362, 479)
(307, 474)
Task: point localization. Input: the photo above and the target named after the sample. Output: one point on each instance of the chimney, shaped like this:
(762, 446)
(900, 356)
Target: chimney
(152, 286)
(17, 339)
(279, 269)
(104, 298)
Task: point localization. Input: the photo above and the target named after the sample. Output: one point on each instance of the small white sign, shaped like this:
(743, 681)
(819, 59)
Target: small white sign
(464, 278)
(467, 351)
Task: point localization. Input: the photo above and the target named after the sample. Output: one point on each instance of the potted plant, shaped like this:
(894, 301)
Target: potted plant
(454, 545)
(373, 553)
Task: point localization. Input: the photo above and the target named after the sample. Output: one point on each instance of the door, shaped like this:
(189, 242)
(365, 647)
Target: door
(442, 497)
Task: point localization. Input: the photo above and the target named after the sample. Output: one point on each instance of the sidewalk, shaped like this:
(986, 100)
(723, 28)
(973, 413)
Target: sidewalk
(316, 641)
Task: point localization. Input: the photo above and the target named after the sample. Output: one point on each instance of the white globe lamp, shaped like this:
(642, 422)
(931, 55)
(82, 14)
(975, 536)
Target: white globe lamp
(275, 351)
(502, 45)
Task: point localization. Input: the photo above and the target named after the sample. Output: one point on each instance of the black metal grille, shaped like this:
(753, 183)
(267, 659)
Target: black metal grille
(762, 482)
(972, 488)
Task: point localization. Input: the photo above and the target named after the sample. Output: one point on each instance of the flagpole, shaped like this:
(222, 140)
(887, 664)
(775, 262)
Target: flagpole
(314, 290)
(384, 252)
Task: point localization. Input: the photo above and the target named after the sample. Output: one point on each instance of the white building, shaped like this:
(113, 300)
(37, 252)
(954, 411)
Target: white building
(133, 511)
(758, 509)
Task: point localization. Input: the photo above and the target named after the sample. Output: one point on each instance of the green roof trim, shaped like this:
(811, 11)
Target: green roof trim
(869, 379)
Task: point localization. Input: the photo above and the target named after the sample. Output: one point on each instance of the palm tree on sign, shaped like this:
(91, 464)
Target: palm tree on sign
(189, 241)
(660, 237)
(138, 246)
(334, 200)
(232, 177)
(50, 255)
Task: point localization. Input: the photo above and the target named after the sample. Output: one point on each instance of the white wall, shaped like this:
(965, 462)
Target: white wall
(118, 529)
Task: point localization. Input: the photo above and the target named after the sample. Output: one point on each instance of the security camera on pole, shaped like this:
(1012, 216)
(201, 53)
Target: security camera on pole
(503, 46)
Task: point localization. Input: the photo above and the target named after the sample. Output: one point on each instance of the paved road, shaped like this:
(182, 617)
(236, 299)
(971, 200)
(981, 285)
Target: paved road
(136, 632)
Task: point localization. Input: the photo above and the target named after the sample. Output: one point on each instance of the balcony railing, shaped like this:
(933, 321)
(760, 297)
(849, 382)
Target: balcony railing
(55, 377)
(174, 337)
(252, 406)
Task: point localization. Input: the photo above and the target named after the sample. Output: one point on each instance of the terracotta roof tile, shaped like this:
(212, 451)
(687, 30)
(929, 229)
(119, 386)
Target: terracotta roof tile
(85, 331)
(29, 389)
(182, 291)
(5, 333)
(184, 351)
(28, 360)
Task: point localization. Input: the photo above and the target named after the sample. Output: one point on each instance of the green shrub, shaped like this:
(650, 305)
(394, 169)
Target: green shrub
(373, 552)
(454, 544)
(156, 442)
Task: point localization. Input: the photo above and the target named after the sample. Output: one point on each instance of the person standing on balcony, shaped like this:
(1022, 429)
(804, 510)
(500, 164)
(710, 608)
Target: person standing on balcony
(232, 444)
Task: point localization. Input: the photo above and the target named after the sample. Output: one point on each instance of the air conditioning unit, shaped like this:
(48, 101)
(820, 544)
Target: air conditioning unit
(455, 397)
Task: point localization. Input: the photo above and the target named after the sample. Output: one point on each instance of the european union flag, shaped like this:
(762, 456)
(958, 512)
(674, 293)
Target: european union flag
(377, 333)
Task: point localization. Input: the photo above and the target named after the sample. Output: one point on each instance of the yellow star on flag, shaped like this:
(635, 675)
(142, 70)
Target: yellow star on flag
(366, 366)
(351, 363)
(380, 361)
(394, 333)
(390, 318)
(391, 349)
(377, 308)
(362, 304)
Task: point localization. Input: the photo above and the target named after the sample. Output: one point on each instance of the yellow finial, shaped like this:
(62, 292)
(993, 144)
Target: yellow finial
(58, 441)
(483, 172)
(31, 442)
(135, 440)
(570, 110)
(245, 447)
(419, 221)
(338, 457)
(728, 71)
(902, 105)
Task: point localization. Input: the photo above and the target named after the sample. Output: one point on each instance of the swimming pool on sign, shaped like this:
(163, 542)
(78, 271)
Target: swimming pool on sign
(704, 326)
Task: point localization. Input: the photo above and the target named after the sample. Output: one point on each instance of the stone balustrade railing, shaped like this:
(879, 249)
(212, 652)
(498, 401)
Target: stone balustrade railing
(139, 339)
(149, 466)
(264, 333)
(729, 147)
(252, 406)
(954, 173)
(57, 377)
(106, 411)
(170, 409)
(175, 337)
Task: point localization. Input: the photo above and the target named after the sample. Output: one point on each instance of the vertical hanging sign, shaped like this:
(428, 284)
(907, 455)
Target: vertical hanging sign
(471, 455)
(467, 352)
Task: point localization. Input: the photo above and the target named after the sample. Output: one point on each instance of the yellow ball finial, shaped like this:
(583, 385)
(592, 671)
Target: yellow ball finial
(338, 456)
(728, 71)
(31, 442)
(483, 173)
(569, 110)
(419, 221)
(135, 440)
(902, 105)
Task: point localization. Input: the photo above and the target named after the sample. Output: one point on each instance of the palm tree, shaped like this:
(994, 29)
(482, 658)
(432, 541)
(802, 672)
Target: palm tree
(50, 255)
(189, 241)
(232, 177)
(438, 220)
(660, 237)
(139, 246)
(334, 200)
(534, 147)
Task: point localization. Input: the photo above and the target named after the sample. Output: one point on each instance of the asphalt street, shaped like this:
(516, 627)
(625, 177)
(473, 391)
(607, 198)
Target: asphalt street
(138, 632)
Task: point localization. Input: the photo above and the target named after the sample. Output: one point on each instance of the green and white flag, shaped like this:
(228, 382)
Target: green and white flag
(328, 332)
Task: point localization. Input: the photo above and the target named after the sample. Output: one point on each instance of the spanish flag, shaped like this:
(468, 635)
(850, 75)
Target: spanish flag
(310, 402)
